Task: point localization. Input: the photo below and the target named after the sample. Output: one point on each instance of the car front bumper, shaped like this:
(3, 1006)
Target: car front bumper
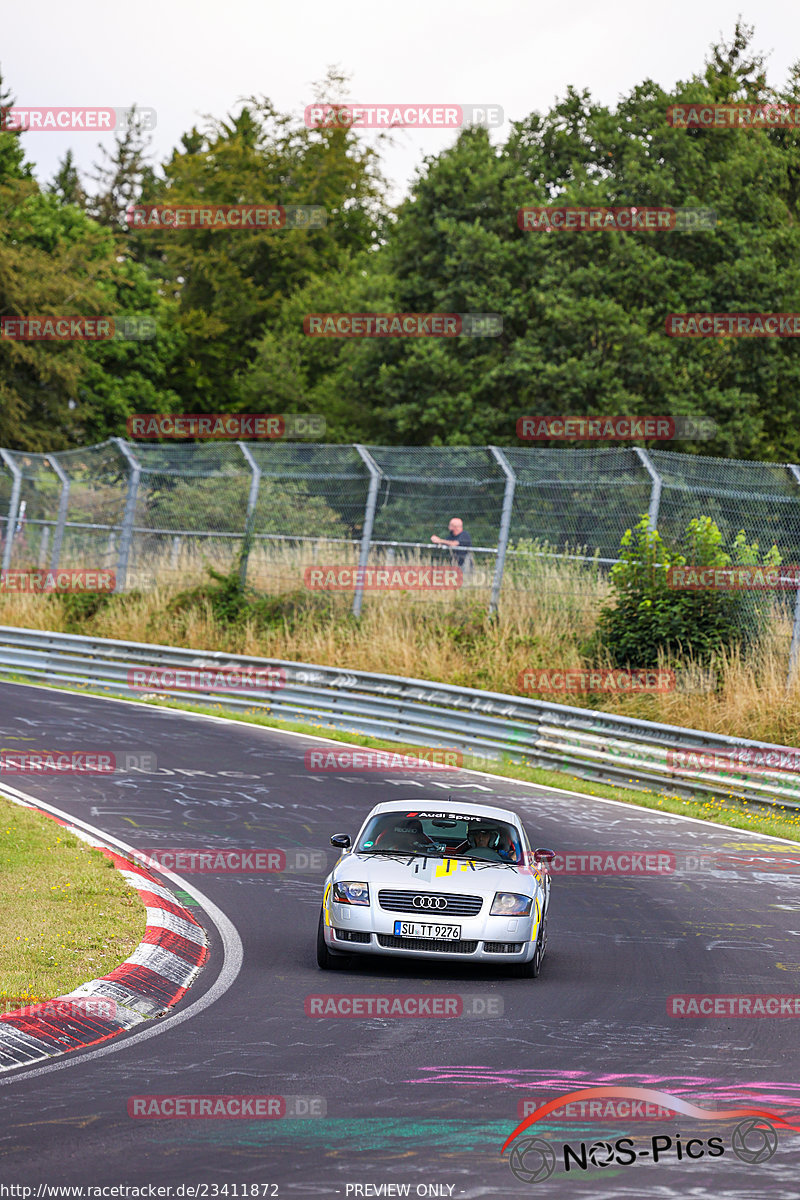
(352, 929)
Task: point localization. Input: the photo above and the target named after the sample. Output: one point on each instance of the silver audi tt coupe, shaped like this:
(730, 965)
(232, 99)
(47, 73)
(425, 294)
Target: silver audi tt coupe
(452, 881)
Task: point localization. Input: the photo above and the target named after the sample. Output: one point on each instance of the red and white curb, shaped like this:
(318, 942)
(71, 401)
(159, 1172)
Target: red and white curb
(153, 979)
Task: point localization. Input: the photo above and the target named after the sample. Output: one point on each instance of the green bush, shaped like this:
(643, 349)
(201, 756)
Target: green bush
(80, 607)
(234, 605)
(647, 617)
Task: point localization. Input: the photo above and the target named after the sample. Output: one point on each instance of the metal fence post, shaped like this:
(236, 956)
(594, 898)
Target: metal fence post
(369, 520)
(655, 492)
(43, 544)
(13, 508)
(63, 502)
(250, 519)
(794, 649)
(505, 526)
(126, 537)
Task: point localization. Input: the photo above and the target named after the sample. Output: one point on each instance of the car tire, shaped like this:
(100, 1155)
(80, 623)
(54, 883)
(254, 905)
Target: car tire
(531, 970)
(326, 960)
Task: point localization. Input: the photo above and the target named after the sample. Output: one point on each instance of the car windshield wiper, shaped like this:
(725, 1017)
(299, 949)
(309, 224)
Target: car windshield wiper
(410, 853)
(493, 862)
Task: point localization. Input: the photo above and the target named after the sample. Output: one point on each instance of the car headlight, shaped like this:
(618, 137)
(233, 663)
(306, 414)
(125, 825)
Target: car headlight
(510, 904)
(351, 893)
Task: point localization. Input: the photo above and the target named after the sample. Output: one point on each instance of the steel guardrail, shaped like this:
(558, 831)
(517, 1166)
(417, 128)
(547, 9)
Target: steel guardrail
(588, 743)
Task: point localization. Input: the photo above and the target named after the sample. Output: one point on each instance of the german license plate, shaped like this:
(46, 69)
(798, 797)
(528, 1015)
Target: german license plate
(421, 929)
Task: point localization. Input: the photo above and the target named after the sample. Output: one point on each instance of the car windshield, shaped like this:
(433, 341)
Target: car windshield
(439, 835)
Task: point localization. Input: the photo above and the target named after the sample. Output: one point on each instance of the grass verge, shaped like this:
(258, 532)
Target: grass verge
(66, 914)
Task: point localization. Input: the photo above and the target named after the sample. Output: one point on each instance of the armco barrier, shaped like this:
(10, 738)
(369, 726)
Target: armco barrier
(594, 745)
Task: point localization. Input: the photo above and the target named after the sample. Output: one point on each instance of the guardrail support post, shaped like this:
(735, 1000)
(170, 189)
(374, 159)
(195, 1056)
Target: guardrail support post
(794, 649)
(369, 520)
(657, 483)
(126, 537)
(505, 526)
(63, 502)
(250, 519)
(13, 508)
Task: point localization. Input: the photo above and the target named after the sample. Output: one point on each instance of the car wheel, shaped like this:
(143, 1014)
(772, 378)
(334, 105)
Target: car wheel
(530, 970)
(327, 961)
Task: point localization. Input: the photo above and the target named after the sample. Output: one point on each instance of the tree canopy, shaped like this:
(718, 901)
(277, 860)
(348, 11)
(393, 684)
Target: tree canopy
(583, 312)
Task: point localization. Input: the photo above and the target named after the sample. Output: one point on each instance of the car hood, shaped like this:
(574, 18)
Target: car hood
(433, 874)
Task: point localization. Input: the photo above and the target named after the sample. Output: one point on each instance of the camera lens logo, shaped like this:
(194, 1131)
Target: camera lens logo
(532, 1160)
(601, 1154)
(754, 1140)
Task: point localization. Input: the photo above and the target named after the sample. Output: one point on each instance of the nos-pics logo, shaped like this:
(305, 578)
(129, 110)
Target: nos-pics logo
(533, 1159)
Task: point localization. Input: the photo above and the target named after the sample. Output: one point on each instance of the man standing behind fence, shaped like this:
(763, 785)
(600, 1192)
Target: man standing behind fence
(460, 543)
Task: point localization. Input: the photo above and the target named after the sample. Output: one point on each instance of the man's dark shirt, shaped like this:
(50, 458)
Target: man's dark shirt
(464, 546)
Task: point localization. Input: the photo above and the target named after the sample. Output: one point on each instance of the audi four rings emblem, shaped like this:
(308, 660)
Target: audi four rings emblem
(429, 902)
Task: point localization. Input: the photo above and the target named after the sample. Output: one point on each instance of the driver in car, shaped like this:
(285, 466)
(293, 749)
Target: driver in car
(482, 841)
(485, 841)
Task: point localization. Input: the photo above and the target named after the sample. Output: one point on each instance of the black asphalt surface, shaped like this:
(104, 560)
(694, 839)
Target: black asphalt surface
(423, 1104)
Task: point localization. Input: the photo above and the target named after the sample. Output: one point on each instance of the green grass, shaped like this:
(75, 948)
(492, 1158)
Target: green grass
(66, 914)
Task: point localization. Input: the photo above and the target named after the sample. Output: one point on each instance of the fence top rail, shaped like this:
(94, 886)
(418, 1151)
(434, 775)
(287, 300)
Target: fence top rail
(482, 703)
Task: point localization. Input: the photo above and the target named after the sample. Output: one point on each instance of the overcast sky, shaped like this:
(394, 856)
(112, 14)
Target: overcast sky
(186, 59)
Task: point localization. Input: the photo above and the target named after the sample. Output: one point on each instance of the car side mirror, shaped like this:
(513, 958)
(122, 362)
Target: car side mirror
(341, 840)
(543, 856)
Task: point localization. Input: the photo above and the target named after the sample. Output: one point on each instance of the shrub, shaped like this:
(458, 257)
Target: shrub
(647, 616)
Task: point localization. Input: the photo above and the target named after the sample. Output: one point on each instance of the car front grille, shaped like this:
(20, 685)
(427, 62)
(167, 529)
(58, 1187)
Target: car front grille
(351, 935)
(456, 906)
(503, 947)
(390, 942)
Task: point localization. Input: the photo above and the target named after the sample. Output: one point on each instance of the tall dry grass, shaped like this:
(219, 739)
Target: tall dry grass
(546, 615)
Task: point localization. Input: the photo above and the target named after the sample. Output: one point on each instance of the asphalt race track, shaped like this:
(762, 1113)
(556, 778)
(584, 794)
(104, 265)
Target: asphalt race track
(417, 1103)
